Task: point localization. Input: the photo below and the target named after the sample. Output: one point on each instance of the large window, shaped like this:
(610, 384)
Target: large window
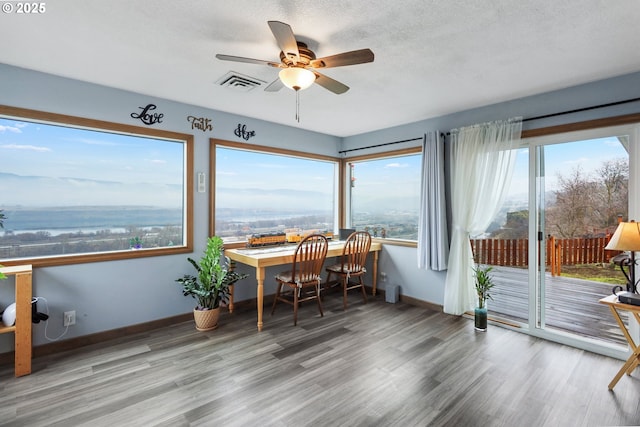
(384, 194)
(77, 190)
(263, 192)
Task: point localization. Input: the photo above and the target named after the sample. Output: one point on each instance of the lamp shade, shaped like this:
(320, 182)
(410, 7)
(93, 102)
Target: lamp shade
(297, 78)
(626, 237)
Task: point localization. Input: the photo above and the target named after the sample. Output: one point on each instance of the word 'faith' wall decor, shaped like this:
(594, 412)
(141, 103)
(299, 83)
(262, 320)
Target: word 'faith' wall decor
(201, 123)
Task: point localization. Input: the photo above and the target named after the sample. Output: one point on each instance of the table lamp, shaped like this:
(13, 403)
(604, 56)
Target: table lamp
(626, 238)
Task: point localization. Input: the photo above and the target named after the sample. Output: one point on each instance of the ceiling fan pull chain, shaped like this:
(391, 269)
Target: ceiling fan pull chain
(298, 106)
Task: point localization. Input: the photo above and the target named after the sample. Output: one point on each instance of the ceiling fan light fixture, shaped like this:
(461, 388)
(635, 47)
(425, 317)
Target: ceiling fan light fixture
(297, 78)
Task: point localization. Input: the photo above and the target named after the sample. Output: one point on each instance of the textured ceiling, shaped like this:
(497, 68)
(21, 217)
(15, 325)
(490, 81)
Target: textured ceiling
(431, 57)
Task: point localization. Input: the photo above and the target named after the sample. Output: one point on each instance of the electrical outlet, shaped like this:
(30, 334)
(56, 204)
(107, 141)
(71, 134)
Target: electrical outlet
(69, 318)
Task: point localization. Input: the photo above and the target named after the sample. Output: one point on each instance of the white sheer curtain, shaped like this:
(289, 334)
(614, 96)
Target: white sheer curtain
(433, 241)
(482, 161)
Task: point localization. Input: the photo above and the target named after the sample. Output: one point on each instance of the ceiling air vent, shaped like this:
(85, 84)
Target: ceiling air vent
(239, 82)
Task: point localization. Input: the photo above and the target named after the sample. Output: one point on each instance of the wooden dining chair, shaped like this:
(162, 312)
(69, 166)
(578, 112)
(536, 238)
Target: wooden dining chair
(352, 265)
(302, 282)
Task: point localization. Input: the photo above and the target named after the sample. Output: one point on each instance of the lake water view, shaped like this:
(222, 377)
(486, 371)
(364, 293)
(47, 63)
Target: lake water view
(87, 219)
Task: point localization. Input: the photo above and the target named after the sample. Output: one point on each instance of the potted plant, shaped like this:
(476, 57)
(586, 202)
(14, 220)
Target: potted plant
(211, 285)
(484, 283)
(135, 243)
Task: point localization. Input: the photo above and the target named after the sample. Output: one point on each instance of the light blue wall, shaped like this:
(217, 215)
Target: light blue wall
(110, 295)
(400, 263)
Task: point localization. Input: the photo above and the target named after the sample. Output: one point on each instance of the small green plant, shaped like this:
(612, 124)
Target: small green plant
(484, 283)
(215, 275)
(135, 243)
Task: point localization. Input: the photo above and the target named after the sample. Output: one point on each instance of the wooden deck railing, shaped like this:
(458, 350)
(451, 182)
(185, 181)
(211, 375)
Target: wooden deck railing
(505, 252)
(559, 252)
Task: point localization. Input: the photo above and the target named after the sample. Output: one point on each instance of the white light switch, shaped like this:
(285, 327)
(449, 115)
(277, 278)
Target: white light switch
(201, 182)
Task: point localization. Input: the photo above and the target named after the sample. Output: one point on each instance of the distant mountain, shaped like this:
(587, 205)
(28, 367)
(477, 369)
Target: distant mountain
(386, 203)
(273, 199)
(68, 191)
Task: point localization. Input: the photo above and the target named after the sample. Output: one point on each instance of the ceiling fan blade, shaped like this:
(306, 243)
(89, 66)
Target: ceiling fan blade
(274, 86)
(286, 40)
(341, 59)
(330, 84)
(248, 60)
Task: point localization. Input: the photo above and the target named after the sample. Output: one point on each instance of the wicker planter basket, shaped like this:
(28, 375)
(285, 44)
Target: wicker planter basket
(206, 320)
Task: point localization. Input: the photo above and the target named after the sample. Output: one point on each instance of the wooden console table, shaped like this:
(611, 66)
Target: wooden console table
(633, 360)
(22, 327)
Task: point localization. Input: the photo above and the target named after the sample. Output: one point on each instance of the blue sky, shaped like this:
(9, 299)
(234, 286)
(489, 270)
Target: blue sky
(275, 171)
(92, 159)
(563, 158)
(56, 151)
(285, 181)
(250, 180)
(269, 172)
(32, 149)
(388, 184)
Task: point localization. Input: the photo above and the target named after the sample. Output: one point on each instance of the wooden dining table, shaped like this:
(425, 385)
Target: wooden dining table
(261, 258)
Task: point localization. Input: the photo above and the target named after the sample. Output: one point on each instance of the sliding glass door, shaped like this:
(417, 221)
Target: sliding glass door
(581, 192)
(547, 245)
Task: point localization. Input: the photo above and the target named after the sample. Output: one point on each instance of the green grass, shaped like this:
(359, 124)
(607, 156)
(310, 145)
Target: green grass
(608, 273)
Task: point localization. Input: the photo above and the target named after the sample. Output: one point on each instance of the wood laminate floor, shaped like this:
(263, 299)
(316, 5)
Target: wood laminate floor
(377, 364)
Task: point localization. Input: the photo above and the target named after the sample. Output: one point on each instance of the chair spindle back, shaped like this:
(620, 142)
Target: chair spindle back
(309, 258)
(356, 249)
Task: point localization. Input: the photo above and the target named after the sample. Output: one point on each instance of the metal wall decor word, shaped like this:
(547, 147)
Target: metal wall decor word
(201, 123)
(242, 132)
(147, 117)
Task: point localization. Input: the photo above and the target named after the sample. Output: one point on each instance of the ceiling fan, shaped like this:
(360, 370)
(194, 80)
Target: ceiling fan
(299, 64)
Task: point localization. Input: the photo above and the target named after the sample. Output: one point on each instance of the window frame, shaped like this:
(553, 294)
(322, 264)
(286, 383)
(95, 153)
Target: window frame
(112, 127)
(346, 185)
(214, 143)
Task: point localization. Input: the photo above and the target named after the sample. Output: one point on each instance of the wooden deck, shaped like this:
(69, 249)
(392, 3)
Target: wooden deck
(571, 304)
